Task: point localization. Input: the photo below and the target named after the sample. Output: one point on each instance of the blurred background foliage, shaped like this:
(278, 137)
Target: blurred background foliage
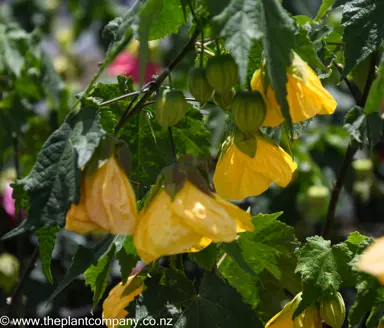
(54, 56)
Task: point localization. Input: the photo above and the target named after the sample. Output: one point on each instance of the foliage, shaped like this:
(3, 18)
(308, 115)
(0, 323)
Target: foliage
(58, 125)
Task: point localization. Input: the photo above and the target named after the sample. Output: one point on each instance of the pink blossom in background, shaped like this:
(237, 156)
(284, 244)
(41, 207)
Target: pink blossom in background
(8, 201)
(128, 64)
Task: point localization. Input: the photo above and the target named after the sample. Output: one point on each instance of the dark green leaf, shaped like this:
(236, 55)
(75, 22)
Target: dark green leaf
(215, 7)
(364, 30)
(173, 296)
(374, 129)
(127, 258)
(355, 124)
(206, 258)
(47, 239)
(82, 260)
(233, 250)
(279, 41)
(54, 181)
(240, 24)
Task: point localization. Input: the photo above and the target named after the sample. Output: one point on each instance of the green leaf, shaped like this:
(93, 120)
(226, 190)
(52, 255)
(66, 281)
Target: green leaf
(233, 250)
(255, 57)
(96, 276)
(215, 7)
(206, 258)
(127, 258)
(324, 269)
(54, 181)
(355, 124)
(279, 41)
(82, 260)
(375, 100)
(172, 296)
(364, 30)
(47, 239)
(166, 17)
(240, 24)
(325, 6)
(374, 129)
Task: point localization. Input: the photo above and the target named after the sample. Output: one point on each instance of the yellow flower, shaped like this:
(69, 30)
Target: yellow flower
(238, 175)
(188, 224)
(107, 202)
(310, 318)
(119, 298)
(305, 94)
(372, 260)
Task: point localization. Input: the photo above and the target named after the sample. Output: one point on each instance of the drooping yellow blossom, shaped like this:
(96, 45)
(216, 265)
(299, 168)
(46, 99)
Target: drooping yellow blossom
(305, 94)
(119, 298)
(238, 175)
(107, 202)
(310, 318)
(372, 260)
(189, 223)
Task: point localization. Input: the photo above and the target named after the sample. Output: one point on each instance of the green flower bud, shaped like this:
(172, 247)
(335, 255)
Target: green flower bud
(332, 310)
(171, 107)
(222, 72)
(224, 100)
(198, 84)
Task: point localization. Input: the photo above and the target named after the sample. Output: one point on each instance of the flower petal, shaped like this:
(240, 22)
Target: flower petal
(203, 214)
(160, 231)
(372, 260)
(235, 179)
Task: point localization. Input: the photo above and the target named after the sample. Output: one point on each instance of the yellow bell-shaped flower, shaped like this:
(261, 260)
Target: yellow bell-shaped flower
(309, 318)
(372, 260)
(238, 175)
(119, 298)
(305, 94)
(189, 223)
(107, 202)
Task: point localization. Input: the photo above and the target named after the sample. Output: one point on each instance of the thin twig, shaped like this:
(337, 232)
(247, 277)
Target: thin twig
(14, 299)
(348, 83)
(172, 145)
(350, 152)
(125, 114)
(156, 83)
(120, 98)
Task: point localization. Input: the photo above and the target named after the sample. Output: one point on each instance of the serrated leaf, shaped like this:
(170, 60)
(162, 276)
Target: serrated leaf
(96, 276)
(364, 30)
(324, 269)
(127, 258)
(233, 250)
(240, 24)
(166, 17)
(173, 296)
(279, 41)
(206, 258)
(82, 260)
(54, 181)
(47, 239)
(355, 124)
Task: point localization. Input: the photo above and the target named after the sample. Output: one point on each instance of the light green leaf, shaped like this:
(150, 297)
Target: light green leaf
(47, 239)
(82, 260)
(325, 6)
(166, 17)
(375, 100)
(240, 24)
(54, 181)
(364, 30)
(96, 276)
(279, 41)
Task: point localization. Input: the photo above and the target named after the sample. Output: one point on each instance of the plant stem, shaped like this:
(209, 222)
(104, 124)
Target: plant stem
(17, 293)
(155, 84)
(202, 49)
(172, 145)
(120, 98)
(350, 152)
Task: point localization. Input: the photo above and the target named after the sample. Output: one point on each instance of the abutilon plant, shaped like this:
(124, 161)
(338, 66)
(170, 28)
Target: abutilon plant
(214, 182)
